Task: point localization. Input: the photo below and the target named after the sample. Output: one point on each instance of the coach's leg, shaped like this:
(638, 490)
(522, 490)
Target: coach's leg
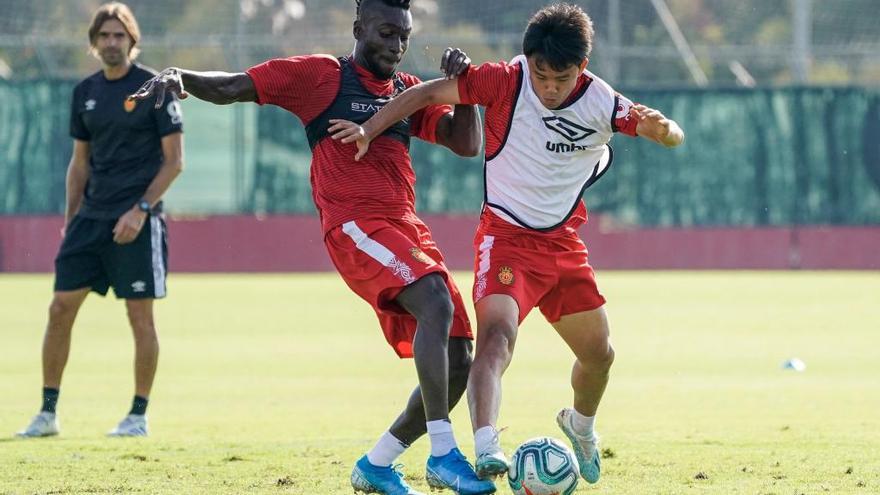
(587, 335)
(56, 342)
(56, 349)
(146, 344)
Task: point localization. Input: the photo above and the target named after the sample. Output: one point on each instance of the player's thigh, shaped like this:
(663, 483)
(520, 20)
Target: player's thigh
(497, 323)
(587, 334)
(576, 289)
(138, 270)
(511, 267)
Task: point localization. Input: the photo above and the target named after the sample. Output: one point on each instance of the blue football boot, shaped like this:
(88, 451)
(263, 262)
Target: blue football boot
(387, 480)
(454, 472)
(586, 450)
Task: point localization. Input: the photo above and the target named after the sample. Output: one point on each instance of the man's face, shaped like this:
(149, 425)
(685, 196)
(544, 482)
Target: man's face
(382, 35)
(113, 43)
(553, 87)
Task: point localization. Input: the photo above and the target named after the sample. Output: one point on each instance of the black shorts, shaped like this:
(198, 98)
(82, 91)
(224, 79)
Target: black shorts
(89, 258)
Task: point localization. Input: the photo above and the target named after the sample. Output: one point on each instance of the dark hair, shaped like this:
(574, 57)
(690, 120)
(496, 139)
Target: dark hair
(121, 13)
(560, 35)
(403, 4)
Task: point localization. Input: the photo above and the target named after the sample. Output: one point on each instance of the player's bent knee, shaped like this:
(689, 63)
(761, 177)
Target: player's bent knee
(429, 300)
(439, 315)
(598, 359)
(608, 358)
(497, 343)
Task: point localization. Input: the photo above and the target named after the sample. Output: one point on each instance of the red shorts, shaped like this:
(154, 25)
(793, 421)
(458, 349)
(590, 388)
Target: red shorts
(378, 258)
(550, 272)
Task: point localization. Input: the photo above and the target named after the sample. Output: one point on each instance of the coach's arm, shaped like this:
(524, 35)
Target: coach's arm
(220, 88)
(77, 176)
(130, 224)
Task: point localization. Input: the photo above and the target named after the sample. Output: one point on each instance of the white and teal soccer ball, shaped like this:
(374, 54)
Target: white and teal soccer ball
(543, 466)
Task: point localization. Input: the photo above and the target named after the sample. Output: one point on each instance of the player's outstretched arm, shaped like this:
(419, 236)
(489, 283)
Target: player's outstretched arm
(655, 126)
(435, 92)
(220, 88)
(459, 131)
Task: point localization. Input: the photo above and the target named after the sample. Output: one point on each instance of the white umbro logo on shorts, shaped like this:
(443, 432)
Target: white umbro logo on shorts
(139, 286)
(90, 105)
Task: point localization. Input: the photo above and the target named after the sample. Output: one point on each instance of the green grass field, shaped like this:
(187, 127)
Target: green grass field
(276, 384)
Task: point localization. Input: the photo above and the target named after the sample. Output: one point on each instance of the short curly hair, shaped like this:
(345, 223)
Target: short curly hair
(403, 4)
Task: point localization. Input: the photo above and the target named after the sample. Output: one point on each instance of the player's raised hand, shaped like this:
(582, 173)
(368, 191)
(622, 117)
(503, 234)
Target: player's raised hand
(349, 132)
(169, 79)
(454, 63)
(653, 125)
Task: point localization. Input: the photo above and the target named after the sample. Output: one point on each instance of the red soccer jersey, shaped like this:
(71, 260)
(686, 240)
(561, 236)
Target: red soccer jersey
(382, 183)
(495, 86)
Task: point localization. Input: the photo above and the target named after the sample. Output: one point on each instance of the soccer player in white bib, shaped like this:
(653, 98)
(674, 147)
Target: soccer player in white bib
(548, 124)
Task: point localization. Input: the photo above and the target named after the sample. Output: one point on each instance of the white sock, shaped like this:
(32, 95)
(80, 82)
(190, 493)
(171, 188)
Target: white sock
(386, 450)
(583, 425)
(442, 439)
(486, 440)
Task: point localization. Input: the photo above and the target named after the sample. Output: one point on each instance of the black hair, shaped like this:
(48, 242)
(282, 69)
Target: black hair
(560, 35)
(403, 4)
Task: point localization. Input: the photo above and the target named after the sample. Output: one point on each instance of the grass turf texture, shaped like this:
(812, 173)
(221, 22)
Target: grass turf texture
(278, 383)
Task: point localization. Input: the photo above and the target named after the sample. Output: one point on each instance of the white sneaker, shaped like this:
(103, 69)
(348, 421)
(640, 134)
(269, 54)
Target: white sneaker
(133, 425)
(44, 424)
(491, 464)
(491, 461)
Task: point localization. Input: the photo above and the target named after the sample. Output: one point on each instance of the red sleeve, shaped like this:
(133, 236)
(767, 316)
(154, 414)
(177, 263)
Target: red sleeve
(488, 83)
(621, 121)
(423, 124)
(303, 85)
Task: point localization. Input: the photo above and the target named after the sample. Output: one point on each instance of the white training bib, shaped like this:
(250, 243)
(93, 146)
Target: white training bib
(550, 157)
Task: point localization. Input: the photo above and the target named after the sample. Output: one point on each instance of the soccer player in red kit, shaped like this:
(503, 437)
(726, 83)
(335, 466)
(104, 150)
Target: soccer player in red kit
(548, 124)
(380, 247)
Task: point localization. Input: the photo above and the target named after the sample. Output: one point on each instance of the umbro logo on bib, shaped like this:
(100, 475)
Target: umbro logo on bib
(567, 129)
(90, 105)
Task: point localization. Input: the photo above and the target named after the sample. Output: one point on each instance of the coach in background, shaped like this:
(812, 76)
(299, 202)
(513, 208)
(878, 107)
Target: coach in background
(125, 156)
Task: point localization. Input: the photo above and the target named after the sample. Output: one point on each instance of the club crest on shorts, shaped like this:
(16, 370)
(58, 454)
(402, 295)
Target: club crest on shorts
(505, 275)
(420, 255)
(129, 105)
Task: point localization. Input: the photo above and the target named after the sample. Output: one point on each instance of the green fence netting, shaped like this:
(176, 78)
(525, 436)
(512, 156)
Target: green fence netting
(752, 157)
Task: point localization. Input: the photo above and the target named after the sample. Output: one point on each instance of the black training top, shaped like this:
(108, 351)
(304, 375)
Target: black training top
(357, 104)
(125, 139)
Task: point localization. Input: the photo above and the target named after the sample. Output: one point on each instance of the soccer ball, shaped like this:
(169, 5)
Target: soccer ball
(543, 466)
